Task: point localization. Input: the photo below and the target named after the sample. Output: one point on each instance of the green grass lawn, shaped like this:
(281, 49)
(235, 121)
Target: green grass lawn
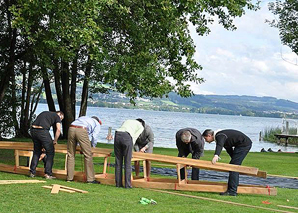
(104, 198)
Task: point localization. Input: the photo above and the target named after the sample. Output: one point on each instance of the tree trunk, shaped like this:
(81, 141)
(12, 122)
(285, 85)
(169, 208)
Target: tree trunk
(48, 91)
(74, 72)
(84, 100)
(68, 114)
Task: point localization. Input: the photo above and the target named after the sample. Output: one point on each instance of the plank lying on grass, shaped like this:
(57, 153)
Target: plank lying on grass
(61, 189)
(220, 201)
(20, 181)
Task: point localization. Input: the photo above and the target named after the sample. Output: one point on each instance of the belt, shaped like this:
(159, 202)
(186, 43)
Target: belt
(37, 127)
(82, 127)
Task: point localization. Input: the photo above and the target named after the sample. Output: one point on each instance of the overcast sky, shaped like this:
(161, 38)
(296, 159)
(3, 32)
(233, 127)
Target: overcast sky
(247, 61)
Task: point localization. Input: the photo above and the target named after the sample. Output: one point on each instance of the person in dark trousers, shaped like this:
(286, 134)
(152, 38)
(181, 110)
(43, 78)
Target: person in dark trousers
(237, 145)
(190, 140)
(42, 140)
(125, 138)
(144, 144)
(85, 132)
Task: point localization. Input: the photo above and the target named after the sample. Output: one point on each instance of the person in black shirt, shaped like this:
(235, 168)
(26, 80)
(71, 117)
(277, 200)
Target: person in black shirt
(190, 140)
(237, 146)
(43, 140)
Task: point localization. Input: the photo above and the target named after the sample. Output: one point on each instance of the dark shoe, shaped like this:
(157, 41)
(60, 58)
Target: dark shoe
(270, 150)
(228, 194)
(263, 150)
(69, 181)
(32, 175)
(49, 177)
(94, 182)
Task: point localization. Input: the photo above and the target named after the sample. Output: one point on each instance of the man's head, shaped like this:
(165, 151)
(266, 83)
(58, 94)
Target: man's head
(96, 118)
(60, 114)
(141, 121)
(208, 135)
(186, 137)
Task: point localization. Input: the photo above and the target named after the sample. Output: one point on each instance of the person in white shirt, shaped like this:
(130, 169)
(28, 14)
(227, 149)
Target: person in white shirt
(125, 138)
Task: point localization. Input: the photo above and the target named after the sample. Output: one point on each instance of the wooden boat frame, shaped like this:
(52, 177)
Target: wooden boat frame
(26, 149)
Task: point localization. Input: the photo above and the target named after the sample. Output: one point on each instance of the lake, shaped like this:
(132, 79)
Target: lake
(166, 124)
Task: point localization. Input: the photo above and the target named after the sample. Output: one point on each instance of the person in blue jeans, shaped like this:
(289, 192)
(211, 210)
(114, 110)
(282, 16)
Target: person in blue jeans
(237, 145)
(42, 140)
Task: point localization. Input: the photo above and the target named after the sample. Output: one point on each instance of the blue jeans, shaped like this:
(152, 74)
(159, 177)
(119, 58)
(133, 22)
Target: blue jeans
(42, 139)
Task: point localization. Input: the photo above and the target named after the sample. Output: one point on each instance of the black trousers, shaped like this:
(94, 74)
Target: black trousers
(238, 155)
(42, 139)
(123, 150)
(195, 172)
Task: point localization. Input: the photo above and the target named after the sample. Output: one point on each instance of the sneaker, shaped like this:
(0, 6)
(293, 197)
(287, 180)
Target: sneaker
(49, 177)
(228, 194)
(32, 175)
(68, 181)
(94, 182)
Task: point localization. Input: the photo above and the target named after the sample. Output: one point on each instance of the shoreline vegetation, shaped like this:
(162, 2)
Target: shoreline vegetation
(205, 104)
(268, 135)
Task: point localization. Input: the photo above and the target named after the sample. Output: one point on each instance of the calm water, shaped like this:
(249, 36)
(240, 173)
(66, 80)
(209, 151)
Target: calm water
(166, 124)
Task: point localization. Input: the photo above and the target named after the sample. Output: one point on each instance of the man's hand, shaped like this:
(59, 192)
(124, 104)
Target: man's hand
(215, 159)
(109, 137)
(55, 142)
(143, 149)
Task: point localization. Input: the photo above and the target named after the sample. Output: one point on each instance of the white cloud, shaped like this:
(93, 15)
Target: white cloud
(248, 61)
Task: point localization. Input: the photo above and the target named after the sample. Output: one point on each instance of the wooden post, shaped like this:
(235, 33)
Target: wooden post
(65, 165)
(16, 157)
(105, 164)
(145, 170)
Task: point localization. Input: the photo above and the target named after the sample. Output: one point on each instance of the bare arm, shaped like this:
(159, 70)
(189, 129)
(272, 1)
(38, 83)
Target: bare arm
(57, 134)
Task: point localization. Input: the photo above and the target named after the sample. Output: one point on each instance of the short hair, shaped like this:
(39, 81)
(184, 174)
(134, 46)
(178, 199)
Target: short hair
(141, 121)
(186, 136)
(96, 118)
(208, 132)
(60, 112)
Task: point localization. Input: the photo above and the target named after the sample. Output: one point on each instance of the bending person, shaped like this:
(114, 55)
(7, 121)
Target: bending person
(125, 138)
(144, 144)
(190, 140)
(237, 146)
(42, 140)
(81, 131)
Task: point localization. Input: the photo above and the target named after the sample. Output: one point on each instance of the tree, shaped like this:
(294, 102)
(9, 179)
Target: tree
(140, 48)
(287, 22)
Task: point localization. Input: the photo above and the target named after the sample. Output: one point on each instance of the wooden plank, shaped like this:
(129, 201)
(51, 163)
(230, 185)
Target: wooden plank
(283, 176)
(288, 207)
(70, 188)
(20, 181)
(61, 189)
(261, 174)
(197, 163)
(55, 189)
(220, 201)
(158, 183)
(59, 148)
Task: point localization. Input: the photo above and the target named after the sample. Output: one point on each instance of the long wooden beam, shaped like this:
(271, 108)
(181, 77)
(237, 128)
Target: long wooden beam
(60, 148)
(221, 201)
(160, 183)
(197, 163)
